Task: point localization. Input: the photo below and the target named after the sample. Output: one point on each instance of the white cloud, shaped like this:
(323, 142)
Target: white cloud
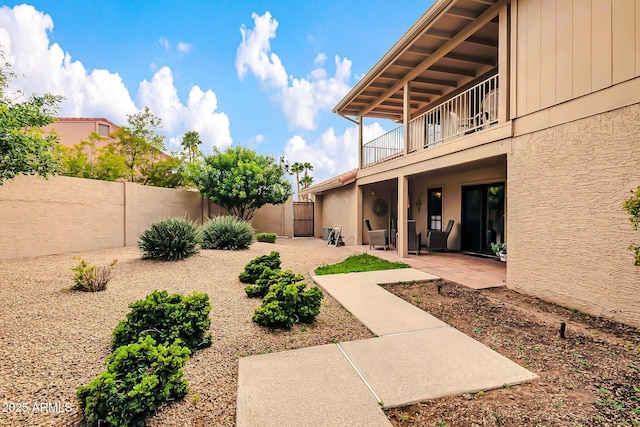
(254, 52)
(302, 99)
(331, 154)
(165, 43)
(199, 114)
(320, 59)
(101, 93)
(185, 47)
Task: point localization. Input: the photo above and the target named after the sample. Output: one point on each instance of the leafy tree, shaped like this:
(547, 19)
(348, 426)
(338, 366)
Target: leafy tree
(141, 143)
(242, 181)
(632, 206)
(306, 181)
(24, 148)
(86, 160)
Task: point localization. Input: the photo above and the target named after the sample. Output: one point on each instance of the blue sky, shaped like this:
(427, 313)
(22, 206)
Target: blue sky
(259, 74)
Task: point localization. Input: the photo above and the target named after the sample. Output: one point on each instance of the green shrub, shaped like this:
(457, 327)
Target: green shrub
(139, 378)
(170, 240)
(227, 233)
(266, 237)
(286, 304)
(89, 278)
(253, 270)
(271, 277)
(167, 318)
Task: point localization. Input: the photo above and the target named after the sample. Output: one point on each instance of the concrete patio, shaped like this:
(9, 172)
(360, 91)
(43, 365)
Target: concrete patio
(468, 270)
(415, 357)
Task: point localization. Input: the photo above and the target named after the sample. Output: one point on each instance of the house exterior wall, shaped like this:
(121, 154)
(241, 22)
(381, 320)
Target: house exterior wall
(568, 233)
(565, 49)
(452, 180)
(73, 130)
(338, 207)
(63, 214)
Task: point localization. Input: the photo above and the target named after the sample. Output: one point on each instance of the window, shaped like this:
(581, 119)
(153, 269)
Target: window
(434, 208)
(103, 130)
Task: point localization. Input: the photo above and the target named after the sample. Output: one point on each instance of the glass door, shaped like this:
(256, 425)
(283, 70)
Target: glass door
(482, 217)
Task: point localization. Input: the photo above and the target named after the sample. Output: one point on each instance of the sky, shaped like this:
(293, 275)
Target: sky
(261, 74)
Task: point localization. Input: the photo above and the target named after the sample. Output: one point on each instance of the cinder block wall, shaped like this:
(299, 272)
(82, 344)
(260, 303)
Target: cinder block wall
(568, 234)
(63, 214)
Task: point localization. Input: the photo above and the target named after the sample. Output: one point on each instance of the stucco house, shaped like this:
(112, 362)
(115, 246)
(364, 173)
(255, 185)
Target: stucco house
(520, 121)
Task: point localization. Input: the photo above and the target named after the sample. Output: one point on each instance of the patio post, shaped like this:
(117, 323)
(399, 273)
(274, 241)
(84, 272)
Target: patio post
(405, 115)
(403, 200)
(359, 215)
(360, 136)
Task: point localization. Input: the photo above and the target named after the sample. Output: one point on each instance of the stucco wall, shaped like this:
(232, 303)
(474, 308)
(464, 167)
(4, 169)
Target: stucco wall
(339, 207)
(63, 214)
(60, 215)
(145, 204)
(567, 231)
(275, 219)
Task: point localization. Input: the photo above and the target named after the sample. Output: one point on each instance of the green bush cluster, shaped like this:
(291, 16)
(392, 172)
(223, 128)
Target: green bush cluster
(150, 349)
(254, 269)
(266, 237)
(167, 318)
(139, 378)
(170, 240)
(271, 277)
(288, 303)
(228, 233)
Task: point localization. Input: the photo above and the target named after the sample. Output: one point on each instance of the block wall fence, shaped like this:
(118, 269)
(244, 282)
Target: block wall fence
(62, 214)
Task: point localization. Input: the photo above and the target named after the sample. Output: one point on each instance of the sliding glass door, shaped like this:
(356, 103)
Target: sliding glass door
(482, 217)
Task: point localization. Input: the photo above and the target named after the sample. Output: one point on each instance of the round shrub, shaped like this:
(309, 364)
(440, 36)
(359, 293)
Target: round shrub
(170, 240)
(227, 233)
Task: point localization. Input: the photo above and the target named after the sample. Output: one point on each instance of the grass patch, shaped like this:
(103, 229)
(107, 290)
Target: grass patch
(360, 263)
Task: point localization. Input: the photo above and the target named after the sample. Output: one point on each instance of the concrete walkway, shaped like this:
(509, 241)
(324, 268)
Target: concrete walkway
(415, 358)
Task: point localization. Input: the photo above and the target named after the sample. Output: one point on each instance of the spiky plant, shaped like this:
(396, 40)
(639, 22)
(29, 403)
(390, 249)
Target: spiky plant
(170, 240)
(227, 233)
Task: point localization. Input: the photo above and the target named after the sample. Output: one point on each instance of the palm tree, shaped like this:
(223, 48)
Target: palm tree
(306, 181)
(190, 142)
(296, 168)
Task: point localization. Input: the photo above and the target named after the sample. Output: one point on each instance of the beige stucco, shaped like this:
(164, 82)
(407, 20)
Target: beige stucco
(71, 131)
(337, 207)
(63, 214)
(568, 232)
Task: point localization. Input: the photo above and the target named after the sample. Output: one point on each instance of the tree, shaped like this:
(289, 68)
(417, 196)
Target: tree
(632, 206)
(191, 142)
(141, 144)
(86, 160)
(296, 168)
(306, 181)
(24, 148)
(242, 181)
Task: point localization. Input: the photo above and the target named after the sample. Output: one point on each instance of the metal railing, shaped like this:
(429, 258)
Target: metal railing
(385, 147)
(473, 110)
(470, 111)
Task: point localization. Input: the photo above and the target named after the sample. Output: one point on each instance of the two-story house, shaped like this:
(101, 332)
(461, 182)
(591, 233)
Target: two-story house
(520, 121)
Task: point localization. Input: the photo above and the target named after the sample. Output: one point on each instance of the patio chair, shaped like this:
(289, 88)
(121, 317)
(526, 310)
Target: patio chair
(438, 239)
(377, 237)
(415, 240)
(335, 237)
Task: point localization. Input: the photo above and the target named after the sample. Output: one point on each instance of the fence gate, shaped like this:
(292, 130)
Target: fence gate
(302, 219)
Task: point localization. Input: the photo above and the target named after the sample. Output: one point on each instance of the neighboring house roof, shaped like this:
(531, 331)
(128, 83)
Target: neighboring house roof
(331, 183)
(452, 44)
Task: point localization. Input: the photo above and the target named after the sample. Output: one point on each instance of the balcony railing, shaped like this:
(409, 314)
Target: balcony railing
(471, 111)
(385, 147)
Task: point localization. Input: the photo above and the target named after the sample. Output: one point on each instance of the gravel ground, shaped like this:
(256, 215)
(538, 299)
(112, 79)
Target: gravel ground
(53, 340)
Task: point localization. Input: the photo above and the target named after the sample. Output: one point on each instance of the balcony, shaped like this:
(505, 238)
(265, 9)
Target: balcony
(470, 111)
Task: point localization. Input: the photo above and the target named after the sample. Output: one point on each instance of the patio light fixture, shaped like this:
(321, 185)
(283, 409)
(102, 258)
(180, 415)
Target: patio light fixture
(419, 204)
